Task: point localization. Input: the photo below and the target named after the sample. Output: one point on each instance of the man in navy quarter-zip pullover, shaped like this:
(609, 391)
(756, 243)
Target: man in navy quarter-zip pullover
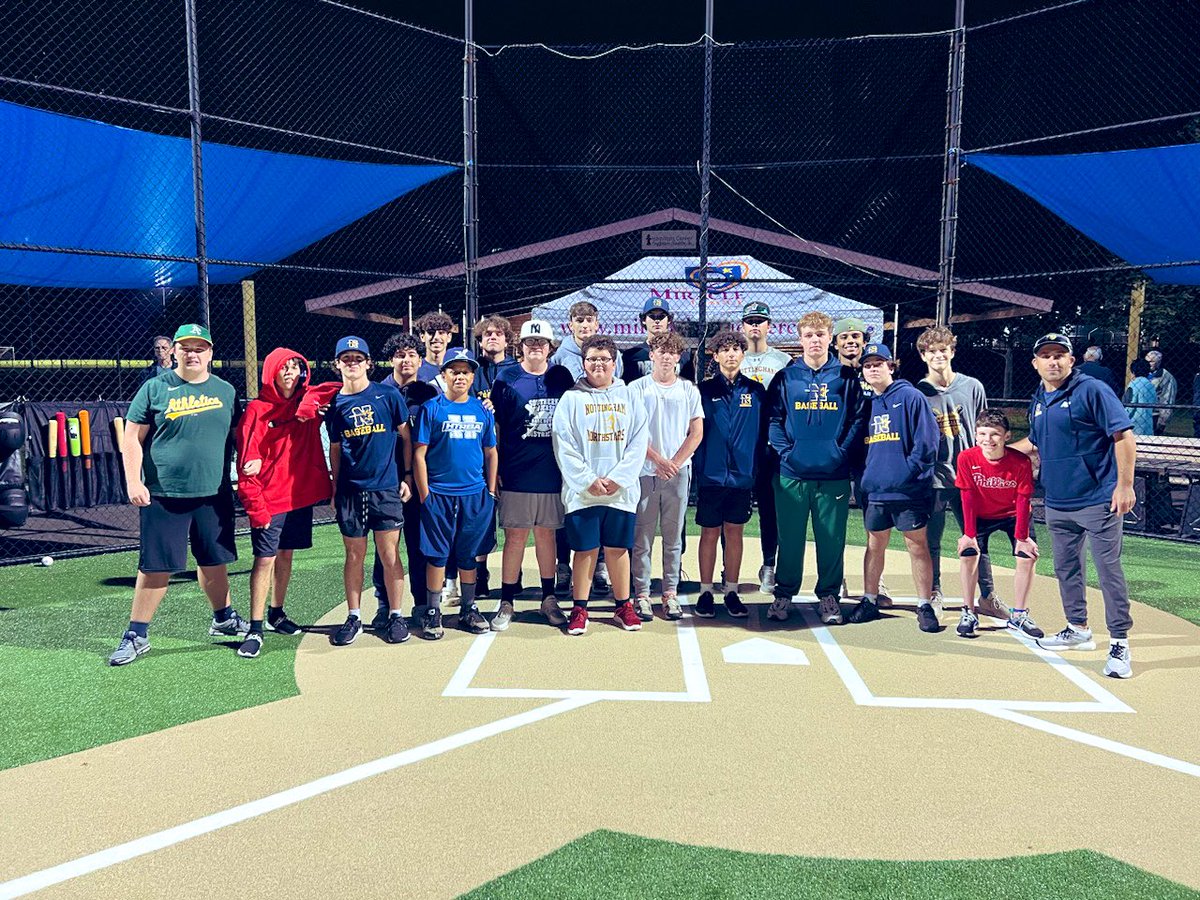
(902, 444)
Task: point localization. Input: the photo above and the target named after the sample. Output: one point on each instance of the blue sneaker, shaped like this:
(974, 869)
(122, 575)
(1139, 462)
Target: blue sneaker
(131, 647)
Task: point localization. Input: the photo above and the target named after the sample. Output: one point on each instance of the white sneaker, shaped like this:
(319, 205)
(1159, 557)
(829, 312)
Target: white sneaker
(937, 601)
(1070, 638)
(1118, 665)
(883, 599)
(645, 609)
(450, 593)
(766, 578)
(671, 607)
(781, 608)
(830, 610)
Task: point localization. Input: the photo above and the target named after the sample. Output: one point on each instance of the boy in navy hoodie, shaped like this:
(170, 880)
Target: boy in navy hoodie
(726, 466)
(902, 445)
(815, 416)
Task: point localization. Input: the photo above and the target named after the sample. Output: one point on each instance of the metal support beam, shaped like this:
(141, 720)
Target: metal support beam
(470, 184)
(705, 171)
(193, 60)
(953, 163)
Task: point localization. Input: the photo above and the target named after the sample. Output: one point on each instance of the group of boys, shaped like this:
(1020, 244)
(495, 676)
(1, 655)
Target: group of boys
(555, 442)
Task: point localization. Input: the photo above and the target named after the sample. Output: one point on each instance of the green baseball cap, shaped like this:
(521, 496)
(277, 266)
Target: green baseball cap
(198, 332)
(849, 324)
(756, 308)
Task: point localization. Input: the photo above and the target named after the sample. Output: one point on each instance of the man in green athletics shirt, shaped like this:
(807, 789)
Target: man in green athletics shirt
(175, 452)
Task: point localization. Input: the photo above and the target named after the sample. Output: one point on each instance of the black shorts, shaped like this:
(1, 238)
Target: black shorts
(361, 511)
(170, 524)
(985, 528)
(286, 531)
(717, 505)
(903, 515)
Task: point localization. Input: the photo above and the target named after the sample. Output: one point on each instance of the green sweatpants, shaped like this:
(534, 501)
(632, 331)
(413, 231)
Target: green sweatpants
(828, 502)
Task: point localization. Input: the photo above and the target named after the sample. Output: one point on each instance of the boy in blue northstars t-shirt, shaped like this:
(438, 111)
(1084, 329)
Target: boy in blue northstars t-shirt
(455, 466)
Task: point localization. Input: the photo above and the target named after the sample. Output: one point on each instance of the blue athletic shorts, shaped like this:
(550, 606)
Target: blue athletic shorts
(599, 526)
(457, 526)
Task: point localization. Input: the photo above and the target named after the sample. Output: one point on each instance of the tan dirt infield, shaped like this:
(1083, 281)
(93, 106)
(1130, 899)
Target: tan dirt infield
(781, 760)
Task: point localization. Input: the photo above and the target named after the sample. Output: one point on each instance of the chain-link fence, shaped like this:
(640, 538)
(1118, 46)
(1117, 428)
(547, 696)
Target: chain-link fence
(825, 191)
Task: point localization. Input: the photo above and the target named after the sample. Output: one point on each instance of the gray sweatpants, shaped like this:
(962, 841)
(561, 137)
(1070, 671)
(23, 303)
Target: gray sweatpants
(1103, 530)
(665, 501)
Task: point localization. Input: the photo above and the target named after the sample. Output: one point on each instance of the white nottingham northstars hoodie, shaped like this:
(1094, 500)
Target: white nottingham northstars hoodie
(600, 433)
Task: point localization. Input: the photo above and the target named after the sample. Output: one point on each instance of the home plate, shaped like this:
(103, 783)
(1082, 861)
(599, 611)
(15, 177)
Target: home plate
(763, 652)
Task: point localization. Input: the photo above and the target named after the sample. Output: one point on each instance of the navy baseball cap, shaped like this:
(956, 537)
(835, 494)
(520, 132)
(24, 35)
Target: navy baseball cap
(1053, 339)
(656, 303)
(880, 350)
(351, 343)
(460, 354)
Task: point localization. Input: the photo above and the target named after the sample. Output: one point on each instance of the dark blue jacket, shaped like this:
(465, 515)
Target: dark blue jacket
(487, 373)
(1073, 429)
(735, 428)
(902, 445)
(815, 420)
(524, 409)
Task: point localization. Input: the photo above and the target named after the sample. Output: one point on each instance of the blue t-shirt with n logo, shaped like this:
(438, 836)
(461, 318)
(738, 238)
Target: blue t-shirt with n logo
(365, 425)
(455, 434)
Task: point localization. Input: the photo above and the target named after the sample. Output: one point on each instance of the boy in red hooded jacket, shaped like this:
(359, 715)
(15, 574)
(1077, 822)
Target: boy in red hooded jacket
(283, 476)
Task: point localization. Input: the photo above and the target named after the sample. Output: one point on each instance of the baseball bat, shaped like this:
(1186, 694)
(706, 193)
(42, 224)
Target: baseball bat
(85, 436)
(74, 441)
(52, 439)
(61, 418)
(119, 428)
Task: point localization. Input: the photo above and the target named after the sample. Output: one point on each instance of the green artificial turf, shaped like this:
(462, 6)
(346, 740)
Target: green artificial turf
(58, 625)
(606, 864)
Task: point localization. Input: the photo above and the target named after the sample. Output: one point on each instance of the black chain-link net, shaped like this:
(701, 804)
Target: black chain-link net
(826, 166)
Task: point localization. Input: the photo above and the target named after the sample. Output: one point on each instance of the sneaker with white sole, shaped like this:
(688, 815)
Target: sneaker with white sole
(1119, 664)
(829, 609)
(624, 616)
(927, 619)
(282, 624)
(131, 647)
(866, 611)
(993, 606)
(472, 620)
(346, 633)
(251, 646)
(766, 579)
(1023, 623)
(431, 624)
(579, 620)
(1070, 638)
(503, 617)
(396, 631)
(734, 605)
(550, 610)
(780, 609)
(671, 608)
(967, 624)
(234, 626)
(645, 610)
(937, 601)
(883, 599)
(705, 607)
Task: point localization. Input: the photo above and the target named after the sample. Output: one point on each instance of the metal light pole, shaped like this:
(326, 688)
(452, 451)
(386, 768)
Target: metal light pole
(954, 99)
(470, 184)
(193, 59)
(705, 168)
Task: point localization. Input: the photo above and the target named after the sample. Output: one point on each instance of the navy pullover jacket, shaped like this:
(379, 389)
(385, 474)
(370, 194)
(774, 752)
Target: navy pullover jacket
(735, 429)
(816, 419)
(902, 445)
(1073, 429)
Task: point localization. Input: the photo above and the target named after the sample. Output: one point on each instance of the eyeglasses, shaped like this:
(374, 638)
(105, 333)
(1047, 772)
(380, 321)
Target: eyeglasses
(598, 361)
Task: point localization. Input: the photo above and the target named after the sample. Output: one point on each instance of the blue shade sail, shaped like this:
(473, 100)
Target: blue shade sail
(1142, 205)
(76, 183)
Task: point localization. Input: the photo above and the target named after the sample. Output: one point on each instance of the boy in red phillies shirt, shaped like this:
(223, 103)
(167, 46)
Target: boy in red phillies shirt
(997, 486)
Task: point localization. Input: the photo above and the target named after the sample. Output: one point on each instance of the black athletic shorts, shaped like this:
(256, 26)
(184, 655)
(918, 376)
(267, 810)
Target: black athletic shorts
(359, 512)
(904, 515)
(170, 524)
(717, 505)
(985, 528)
(286, 531)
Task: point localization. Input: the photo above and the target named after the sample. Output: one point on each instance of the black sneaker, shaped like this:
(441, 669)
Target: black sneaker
(472, 620)
(396, 631)
(431, 624)
(927, 619)
(562, 580)
(866, 611)
(380, 622)
(251, 646)
(734, 606)
(705, 608)
(967, 624)
(346, 632)
(282, 624)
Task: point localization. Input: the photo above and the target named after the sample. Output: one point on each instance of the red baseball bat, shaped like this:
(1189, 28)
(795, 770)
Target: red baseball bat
(61, 418)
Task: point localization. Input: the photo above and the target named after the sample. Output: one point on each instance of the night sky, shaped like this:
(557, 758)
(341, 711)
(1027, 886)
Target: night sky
(617, 21)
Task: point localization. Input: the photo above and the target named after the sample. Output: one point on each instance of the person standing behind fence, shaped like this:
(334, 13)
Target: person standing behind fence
(1088, 454)
(956, 400)
(283, 475)
(656, 319)
(1142, 395)
(1165, 388)
(675, 425)
(176, 456)
(435, 330)
(162, 358)
(1092, 366)
(763, 363)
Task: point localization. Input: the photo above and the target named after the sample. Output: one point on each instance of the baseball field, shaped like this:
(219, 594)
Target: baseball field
(699, 758)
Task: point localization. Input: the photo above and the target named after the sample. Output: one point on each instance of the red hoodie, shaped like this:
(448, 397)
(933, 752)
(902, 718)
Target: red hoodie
(294, 473)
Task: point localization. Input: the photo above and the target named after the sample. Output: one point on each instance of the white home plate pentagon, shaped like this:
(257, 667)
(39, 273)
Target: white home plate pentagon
(760, 651)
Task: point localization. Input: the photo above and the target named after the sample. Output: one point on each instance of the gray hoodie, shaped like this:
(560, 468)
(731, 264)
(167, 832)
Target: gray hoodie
(956, 408)
(600, 433)
(568, 355)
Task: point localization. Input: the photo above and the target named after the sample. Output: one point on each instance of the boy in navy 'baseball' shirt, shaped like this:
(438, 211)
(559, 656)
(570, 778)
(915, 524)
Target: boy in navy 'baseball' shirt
(364, 422)
(455, 465)
(902, 444)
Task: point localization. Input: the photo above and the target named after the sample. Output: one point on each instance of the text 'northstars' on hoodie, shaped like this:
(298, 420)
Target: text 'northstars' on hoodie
(902, 444)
